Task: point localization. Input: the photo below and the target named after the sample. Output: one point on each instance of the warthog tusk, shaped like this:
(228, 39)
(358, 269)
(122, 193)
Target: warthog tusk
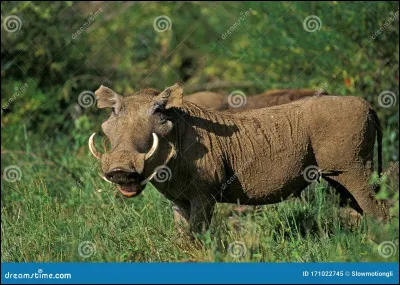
(153, 147)
(147, 180)
(155, 172)
(92, 147)
(102, 176)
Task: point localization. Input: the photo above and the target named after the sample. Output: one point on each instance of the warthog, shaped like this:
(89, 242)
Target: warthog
(271, 98)
(254, 157)
(210, 100)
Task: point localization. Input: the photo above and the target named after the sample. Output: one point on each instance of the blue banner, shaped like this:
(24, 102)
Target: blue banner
(204, 273)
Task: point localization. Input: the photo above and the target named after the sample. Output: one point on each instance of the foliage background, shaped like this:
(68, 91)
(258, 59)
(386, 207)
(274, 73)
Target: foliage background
(45, 129)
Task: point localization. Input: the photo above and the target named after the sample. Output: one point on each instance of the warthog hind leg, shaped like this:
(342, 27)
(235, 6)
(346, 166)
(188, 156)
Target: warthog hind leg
(355, 185)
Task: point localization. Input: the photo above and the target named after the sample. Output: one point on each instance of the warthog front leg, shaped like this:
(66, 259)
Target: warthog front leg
(201, 212)
(181, 217)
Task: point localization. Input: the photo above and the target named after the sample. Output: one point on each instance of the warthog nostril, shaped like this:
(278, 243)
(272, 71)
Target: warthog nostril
(122, 176)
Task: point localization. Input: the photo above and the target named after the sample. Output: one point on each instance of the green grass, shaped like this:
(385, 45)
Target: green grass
(47, 214)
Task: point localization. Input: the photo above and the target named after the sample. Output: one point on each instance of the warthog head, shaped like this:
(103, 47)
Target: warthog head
(133, 129)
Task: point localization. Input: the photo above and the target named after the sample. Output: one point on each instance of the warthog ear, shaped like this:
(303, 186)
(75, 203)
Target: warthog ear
(107, 98)
(171, 97)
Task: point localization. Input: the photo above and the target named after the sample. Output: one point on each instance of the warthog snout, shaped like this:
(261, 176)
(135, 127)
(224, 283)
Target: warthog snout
(122, 176)
(129, 183)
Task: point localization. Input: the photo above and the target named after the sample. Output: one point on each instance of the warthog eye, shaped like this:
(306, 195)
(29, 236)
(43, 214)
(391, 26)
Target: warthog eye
(158, 108)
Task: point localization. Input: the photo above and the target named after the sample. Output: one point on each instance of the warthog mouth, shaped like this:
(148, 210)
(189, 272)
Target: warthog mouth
(130, 190)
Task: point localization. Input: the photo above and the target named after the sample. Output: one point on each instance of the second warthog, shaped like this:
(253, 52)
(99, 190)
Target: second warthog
(237, 102)
(253, 157)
